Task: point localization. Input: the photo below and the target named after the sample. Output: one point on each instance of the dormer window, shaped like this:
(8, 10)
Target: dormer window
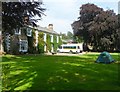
(29, 32)
(18, 31)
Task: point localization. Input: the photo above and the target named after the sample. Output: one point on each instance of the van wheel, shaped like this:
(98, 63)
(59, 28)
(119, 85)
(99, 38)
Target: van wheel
(70, 52)
(77, 52)
(80, 51)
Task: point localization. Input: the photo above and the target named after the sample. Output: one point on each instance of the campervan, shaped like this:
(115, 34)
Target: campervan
(71, 48)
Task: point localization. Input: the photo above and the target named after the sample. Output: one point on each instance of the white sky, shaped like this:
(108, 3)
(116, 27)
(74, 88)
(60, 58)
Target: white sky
(62, 13)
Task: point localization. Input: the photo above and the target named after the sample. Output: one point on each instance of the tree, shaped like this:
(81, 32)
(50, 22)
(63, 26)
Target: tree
(64, 36)
(18, 14)
(97, 27)
(69, 35)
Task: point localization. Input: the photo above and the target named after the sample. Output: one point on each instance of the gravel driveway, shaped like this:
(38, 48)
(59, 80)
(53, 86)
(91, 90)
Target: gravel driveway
(64, 54)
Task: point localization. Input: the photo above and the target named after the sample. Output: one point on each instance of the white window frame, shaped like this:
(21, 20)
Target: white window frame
(29, 32)
(18, 31)
(51, 37)
(45, 37)
(25, 47)
(57, 39)
(8, 42)
(45, 48)
(36, 37)
(52, 47)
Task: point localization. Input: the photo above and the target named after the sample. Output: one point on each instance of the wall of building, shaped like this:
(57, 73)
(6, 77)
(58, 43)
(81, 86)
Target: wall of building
(38, 42)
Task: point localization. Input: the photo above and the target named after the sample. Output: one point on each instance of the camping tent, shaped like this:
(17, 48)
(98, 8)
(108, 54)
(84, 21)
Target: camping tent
(104, 57)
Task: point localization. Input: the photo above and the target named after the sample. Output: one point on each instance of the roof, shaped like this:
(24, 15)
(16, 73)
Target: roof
(46, 30)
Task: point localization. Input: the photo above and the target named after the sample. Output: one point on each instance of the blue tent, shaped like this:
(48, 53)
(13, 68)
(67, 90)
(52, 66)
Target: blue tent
(104, 57)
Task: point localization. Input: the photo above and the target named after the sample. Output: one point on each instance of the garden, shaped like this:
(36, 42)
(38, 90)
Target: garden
(52, 72)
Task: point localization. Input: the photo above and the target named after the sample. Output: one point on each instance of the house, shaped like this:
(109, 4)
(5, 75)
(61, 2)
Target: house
(51, 38)
(31, 40)
(16, 41)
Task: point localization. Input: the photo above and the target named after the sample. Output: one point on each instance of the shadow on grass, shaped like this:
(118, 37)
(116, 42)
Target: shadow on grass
(58, 73)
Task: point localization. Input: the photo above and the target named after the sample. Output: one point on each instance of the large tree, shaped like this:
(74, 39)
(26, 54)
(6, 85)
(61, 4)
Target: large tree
(99, 28)
(69, 35)
(18, 14)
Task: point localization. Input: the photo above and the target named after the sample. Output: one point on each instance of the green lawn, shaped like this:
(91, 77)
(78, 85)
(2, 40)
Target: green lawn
(40, 72)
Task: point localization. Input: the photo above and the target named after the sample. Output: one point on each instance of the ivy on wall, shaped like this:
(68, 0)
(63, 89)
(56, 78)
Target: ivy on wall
(48, 42)
(60, 41)
(55, 44)
(31, 41)
(41, 42)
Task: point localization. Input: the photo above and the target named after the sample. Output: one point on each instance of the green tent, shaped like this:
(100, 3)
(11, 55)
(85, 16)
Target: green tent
(104, 57)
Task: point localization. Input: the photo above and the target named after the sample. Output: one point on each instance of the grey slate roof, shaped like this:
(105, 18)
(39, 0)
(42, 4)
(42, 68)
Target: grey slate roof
(45, 30)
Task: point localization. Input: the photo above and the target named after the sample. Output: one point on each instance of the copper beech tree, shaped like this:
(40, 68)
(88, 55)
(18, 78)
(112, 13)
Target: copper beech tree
(20, 13)
(99, 28)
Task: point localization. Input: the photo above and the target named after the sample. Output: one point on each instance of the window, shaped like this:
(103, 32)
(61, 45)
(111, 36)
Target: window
(18, 31)
(51, 38)
(45, 37)
(69, 47)
(57, 39)
(29, 32)
(7, 41)
(60, 47)
(23, 46)
(52, 47)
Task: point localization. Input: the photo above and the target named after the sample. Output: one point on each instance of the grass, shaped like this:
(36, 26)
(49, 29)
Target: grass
(40, 72)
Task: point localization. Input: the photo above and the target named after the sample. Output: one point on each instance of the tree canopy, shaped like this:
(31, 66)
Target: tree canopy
(67, 36)
(20, 13)
(99, 28)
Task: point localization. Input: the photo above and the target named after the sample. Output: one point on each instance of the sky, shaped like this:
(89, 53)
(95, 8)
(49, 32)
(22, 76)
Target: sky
(62, 13)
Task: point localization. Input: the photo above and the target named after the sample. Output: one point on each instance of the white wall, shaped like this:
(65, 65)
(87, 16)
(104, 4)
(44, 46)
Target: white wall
(36, 35)
(45, 39)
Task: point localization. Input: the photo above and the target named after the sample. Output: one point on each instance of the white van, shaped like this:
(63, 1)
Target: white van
(71, 48)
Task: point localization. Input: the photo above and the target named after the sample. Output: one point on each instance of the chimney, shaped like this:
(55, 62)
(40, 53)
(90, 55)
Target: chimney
(50, 27)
